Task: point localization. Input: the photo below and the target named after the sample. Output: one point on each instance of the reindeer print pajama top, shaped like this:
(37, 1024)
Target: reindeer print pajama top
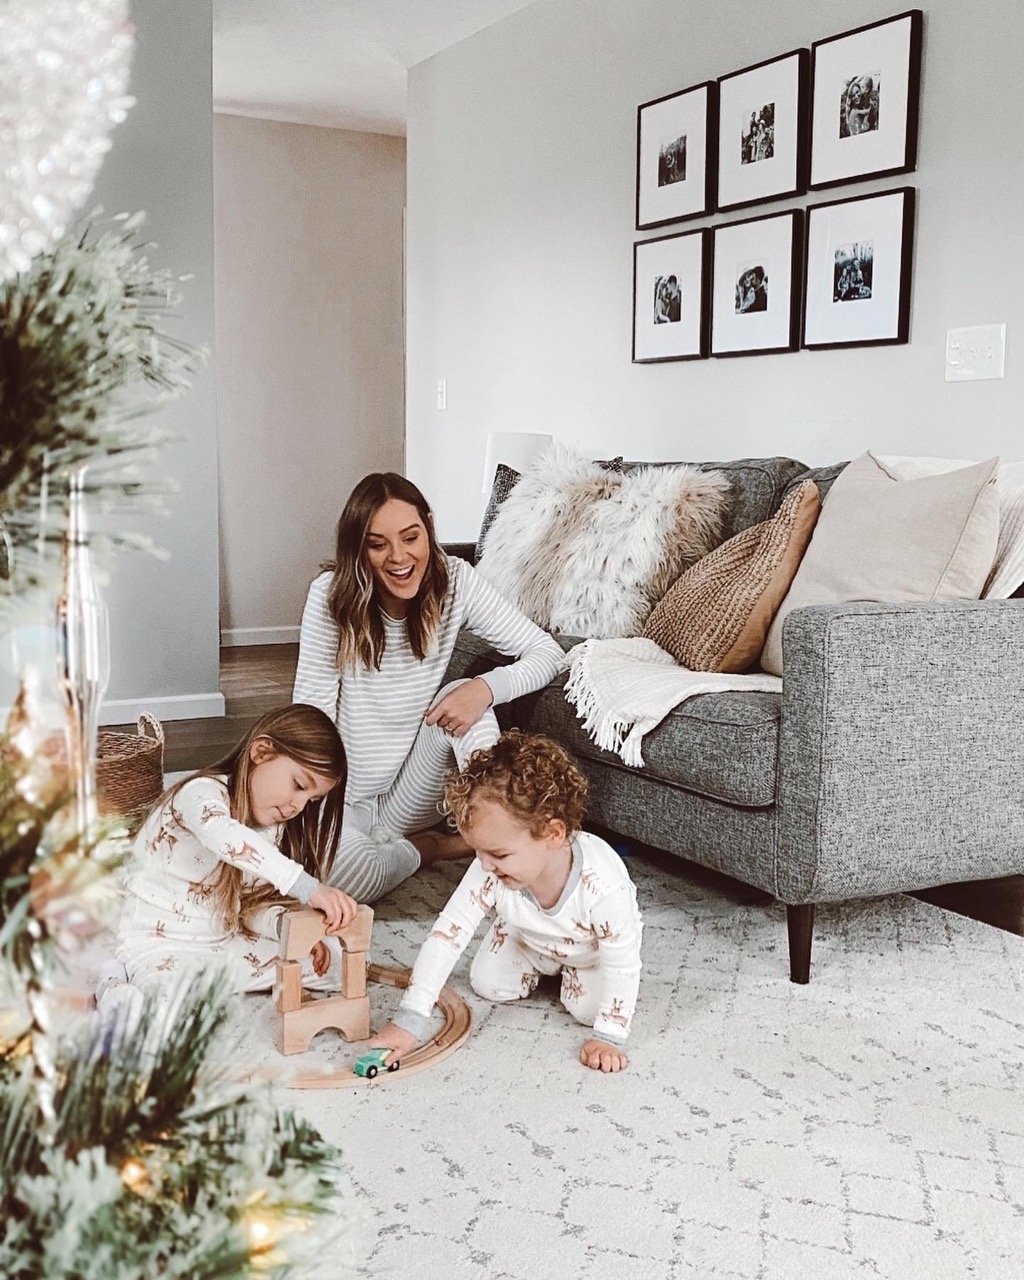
(170, 922)
(591, 936)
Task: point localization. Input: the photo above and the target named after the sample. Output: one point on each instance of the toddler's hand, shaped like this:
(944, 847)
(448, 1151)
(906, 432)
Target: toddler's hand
(321, 958)
(394, 1038)
(602, 1056)
(338, 907)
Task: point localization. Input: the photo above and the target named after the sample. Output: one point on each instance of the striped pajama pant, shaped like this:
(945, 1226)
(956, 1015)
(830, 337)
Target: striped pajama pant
(374, 854)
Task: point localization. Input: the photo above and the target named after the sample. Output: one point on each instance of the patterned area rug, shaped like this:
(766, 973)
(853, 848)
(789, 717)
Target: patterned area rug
(869, 1124)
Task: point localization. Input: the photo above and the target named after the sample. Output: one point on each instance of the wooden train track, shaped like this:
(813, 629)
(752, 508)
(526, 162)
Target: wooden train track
(458, 1022)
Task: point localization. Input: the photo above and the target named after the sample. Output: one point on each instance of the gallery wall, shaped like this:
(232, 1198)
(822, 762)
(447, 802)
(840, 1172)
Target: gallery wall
(310, 359)
(521, 176)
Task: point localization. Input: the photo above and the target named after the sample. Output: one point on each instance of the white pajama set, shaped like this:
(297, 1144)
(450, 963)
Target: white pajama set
(591, 936)
(396, 762)
(170, 923)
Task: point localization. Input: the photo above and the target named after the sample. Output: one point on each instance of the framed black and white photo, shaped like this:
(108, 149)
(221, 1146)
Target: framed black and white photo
(762, 131)
(669, 298)
(865, 89)
(675, 154)
(756, 285)
(857, 273)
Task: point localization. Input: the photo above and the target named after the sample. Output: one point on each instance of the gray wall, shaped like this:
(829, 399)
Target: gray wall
(521, 155)
(309, 340)
(163, 613)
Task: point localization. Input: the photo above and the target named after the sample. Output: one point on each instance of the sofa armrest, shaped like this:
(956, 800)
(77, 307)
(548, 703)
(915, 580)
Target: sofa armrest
(462, 550)
(900, 750)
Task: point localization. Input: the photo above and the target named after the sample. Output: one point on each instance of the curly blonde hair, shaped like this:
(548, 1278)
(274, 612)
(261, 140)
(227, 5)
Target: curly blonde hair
(530, 776)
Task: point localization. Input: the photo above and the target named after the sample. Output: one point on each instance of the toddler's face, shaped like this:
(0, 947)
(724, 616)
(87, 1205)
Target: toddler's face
(279, 788)
(508, 848)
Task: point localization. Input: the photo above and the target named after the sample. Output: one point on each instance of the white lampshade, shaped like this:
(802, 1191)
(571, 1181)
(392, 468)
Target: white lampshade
(515, 448)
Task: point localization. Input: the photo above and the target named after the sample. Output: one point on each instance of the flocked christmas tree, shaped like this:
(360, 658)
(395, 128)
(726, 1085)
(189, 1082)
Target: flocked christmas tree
(131, 1151)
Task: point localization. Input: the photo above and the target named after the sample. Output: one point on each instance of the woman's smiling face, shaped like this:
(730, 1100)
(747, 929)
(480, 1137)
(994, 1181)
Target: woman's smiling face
(398, 552)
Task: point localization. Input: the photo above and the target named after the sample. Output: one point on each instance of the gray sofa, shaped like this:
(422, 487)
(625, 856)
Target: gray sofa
(891, 760)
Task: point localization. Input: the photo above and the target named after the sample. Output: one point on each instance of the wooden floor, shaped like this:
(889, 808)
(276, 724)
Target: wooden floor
(254, 680)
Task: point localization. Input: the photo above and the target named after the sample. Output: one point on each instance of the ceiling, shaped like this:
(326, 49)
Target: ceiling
(339, 63)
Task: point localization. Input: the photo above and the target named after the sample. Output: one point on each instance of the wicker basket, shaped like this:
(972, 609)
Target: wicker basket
(130, 770)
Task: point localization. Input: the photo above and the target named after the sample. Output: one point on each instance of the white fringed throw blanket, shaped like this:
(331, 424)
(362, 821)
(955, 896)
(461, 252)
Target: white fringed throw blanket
(621, 689)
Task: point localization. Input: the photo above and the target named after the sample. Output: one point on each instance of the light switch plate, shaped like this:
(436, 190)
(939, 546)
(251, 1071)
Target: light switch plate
(975, 353)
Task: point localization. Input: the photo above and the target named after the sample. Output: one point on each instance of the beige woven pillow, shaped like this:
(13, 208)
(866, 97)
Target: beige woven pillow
(716, 615)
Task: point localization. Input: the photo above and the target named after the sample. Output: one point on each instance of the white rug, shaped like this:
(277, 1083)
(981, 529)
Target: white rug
(869, 1124)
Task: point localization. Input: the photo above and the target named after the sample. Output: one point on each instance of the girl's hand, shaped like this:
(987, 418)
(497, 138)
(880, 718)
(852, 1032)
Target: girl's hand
(459, 710)
(602, 1056)
(394, 1038)
(321, 958)
(338, 907)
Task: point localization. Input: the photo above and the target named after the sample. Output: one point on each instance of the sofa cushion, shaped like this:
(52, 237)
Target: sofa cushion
(716, 615)
(823, 477)
(879, 538)
(721, 745)
(756, 487)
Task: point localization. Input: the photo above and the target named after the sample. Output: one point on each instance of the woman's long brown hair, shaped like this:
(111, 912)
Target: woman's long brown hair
(352, 596)
(307, 736)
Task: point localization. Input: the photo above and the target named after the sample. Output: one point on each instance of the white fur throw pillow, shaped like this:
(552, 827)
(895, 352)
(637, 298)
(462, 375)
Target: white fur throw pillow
(589, 552)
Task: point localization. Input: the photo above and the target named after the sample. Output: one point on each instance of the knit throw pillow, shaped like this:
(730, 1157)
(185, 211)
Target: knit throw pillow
(586, 551)
(716, 615)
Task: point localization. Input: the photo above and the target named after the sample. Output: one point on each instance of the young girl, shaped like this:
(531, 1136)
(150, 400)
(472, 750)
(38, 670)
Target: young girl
(562, 899)
(377, 633)
(218, 858)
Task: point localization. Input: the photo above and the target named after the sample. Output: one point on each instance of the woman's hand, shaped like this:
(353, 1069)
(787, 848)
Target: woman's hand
(394, 1038)
(602, 1056)
(338, 907)
(459, 710)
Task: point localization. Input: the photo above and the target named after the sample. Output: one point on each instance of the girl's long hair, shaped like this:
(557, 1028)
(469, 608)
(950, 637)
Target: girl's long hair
(352, 598)
(307, 736)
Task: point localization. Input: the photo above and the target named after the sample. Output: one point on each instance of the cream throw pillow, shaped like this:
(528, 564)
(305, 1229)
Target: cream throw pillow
(1008, 568)
(877, 538)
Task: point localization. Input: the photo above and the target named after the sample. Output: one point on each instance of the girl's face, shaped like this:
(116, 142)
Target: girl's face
(398, 552)
(279, 788)
(508, 849)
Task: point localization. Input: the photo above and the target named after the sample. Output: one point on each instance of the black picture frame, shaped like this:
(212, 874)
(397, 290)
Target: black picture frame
(763, 131)
(865, 101)
(858, 262)
(670, 297)
(755, 285)
(675, 156)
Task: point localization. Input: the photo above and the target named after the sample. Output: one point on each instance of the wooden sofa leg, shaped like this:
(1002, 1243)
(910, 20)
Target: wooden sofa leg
(800, 922)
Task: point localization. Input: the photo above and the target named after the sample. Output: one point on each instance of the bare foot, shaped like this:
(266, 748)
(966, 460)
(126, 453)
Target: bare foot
(436, 846)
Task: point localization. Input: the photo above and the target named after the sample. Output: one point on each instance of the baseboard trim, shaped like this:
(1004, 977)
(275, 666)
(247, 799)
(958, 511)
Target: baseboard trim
(235, 637)
(186, 706)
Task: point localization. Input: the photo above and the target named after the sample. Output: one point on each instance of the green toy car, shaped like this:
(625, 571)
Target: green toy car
(369, 1064)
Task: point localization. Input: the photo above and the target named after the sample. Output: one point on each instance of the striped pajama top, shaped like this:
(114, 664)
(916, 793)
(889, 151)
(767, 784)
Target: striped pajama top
(379, 713)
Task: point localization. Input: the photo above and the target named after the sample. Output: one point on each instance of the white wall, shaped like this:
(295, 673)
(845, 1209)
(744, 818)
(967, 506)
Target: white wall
(521, 224)
(164, 642)
(310, 357)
